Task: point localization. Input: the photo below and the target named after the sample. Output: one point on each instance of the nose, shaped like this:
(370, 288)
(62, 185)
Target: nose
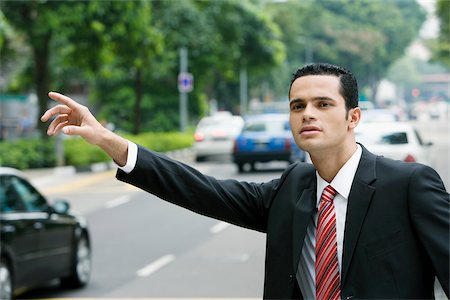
(308, 113)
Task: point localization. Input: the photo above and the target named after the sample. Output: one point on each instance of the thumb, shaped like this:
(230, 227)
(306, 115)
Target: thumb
(72, 130)
(86, 133)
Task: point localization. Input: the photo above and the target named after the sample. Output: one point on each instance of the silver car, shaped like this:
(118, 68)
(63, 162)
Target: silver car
(214, 135)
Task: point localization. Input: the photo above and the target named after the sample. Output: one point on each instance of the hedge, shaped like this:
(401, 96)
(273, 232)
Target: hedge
(27, 154)
(38, 153)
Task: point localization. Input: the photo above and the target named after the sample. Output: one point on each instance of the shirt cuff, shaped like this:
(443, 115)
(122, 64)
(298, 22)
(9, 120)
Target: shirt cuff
(131, 158)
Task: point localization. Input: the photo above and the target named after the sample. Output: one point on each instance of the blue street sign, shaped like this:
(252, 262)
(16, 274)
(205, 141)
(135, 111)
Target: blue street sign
(185, 82)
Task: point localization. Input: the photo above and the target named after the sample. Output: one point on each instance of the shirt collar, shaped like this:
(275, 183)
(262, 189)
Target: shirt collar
(343, 180)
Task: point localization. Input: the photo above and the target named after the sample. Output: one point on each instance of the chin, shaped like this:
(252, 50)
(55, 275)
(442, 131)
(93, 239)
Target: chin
(305, 146)
(309, 146)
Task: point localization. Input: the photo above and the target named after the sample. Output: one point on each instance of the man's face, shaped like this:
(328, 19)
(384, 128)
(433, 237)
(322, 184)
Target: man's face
(318, 117)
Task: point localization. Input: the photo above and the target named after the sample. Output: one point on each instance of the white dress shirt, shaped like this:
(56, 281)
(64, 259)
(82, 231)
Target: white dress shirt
(342, 182)
(131, 158)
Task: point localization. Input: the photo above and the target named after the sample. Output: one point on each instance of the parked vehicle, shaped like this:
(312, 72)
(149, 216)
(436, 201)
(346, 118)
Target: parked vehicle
(379, 115)
(396, 140)
(266, 138)
(215, 134)
(39, 241)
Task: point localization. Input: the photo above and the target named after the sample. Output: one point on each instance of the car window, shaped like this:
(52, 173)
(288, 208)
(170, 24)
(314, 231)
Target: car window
(270, 126)
(10, 200)
(377, 138)
(395, 138)
(21, 196)
(255, 127)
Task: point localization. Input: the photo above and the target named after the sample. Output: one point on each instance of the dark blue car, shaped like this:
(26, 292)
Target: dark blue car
(266, 138)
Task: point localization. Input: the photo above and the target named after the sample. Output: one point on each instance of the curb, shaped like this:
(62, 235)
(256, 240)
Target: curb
(185, 155)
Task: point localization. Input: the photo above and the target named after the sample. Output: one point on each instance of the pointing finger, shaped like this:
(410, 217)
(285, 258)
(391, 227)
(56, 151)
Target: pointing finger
(63, 99)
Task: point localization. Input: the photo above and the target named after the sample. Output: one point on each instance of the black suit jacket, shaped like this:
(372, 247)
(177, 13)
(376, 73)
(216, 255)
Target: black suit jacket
(396, 236)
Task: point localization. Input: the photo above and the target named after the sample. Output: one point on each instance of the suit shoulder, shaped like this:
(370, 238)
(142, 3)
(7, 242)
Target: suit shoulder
(300, 170)
(400, 165)
(297, 174)
(400, 169)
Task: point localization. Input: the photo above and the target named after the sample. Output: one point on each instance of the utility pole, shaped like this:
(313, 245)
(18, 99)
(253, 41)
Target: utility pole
(185, 85)
(59, 149)
(243, 91)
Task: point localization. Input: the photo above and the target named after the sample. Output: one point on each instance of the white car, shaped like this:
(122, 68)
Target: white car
(214, 135)
(395, 140)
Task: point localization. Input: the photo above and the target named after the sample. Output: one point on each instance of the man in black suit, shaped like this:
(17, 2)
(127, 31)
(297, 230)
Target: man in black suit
(389, 221)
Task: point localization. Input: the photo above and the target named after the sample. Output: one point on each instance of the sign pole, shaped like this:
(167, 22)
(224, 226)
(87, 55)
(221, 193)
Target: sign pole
(183, 93)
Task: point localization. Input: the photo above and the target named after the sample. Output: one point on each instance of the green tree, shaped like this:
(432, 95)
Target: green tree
(247, 38)
(364, 36)
(136, 45)
(442, 48)
(42, 26)
(126, 50)
(369, 35)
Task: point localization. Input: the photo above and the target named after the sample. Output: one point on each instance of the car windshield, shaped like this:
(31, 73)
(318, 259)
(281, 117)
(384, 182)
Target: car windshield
(268, 126)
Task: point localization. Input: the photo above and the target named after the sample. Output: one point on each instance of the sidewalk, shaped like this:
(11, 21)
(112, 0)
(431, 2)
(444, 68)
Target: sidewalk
(41, 176)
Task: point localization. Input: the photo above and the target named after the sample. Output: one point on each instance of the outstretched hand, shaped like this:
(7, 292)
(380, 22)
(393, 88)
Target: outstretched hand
(72, 118)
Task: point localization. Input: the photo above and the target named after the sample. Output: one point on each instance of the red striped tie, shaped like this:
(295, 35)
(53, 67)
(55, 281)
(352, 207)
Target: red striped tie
(327, 265)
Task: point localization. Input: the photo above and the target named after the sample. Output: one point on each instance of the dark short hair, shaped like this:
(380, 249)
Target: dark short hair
(349, 86)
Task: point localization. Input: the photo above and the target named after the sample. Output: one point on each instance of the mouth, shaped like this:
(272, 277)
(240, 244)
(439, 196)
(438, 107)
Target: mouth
(309, 129)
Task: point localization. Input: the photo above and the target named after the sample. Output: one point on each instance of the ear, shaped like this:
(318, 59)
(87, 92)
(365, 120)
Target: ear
(354, 116)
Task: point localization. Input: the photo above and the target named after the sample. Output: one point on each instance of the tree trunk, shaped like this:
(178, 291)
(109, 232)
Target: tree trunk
(42, 79)
(138, 102)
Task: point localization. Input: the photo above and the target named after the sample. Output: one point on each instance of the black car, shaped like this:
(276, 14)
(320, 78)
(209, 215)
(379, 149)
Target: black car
(39, 241)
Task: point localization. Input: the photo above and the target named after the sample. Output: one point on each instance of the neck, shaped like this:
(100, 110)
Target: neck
(329, 162)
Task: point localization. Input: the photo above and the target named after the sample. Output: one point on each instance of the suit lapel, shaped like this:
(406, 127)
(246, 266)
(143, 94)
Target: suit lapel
(302, 216)
(359, 200)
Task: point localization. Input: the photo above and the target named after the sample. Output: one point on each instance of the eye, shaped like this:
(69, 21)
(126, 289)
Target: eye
(324, 104)
(297, 106)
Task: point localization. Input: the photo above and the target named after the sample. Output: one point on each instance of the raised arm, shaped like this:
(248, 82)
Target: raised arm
(73, 118)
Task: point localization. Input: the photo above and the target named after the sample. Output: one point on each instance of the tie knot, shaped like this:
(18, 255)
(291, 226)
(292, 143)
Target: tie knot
(328, 193)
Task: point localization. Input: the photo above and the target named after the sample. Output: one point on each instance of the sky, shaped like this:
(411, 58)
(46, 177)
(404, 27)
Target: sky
(430, 28)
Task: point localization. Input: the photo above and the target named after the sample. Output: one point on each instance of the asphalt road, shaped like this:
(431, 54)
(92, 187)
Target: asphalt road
(146, 248)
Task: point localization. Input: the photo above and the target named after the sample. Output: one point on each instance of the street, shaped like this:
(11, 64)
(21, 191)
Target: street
(147, 248)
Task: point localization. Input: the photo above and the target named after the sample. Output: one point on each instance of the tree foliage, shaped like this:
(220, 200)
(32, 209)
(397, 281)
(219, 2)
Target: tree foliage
(363, 36)
(124, 54)
(442, 49)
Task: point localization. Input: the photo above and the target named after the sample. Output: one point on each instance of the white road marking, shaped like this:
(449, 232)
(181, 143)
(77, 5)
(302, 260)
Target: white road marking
(156, 265)
(117, 201)
(219, 227)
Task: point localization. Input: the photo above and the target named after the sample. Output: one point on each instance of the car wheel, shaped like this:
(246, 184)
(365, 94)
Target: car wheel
(6, 285)
(81, 266)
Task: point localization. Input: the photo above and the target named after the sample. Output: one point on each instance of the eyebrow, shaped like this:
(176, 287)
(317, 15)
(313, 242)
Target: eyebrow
(295, 100)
